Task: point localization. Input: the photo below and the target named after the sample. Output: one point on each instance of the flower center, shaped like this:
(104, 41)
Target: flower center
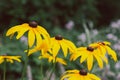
(90, 49)
(33, 24)
(83, 72)
(58, 37)
(102, 43)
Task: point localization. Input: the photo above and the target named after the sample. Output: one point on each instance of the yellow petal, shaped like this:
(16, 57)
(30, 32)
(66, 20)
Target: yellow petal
(31, 38)
(13, 30)
(90, 62)
(102, 50)
(55, 48)
(107, 43)
(70, 45)
(84, 56)
(31, 51)
(93, 77)
(99, 60)
(112, 53)
(38, 37)
(64, 47)
(9, 60)
(21, 32)
(61, 61)
(43, 31)
(1, 60)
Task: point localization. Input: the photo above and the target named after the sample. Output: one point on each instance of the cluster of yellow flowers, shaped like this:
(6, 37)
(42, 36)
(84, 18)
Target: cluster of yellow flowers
(50, 48)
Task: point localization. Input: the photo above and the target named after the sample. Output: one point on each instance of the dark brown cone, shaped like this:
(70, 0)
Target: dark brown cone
(58, 37)
(83, 72)
(90, 48)
(33, 24)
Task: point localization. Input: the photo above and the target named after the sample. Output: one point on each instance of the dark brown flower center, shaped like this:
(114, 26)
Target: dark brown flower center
(83, 72)
(33, 24)
(58, 37)
(90, 48)
(102, 43)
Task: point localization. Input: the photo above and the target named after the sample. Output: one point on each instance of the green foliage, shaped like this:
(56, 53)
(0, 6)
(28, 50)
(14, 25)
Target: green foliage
(48, 13)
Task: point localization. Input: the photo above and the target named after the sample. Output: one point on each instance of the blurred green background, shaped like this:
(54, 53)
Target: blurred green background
(52, 13)
(65, 17)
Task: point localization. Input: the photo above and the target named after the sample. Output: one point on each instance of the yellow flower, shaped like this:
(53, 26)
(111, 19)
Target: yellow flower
(44, 47)
(9, 58)
(104, 48)
(89, 53)
(35, 32)
(58, 42)
(52, 58)
(79, 75)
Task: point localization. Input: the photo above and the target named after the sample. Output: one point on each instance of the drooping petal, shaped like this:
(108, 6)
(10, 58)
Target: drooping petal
(31, 38)
(43, 31)
(13, 30)
(55, 48)
(71, 46)
(31, 51)
(21, 32)
(1, 60)
(64, 48)
(84, 56)
(9, 60)
(99, 60)
(90, 62)
(60, 60)
(112, 53)
(102, 50)
(17, 58)
(38, 38)
(74, 56)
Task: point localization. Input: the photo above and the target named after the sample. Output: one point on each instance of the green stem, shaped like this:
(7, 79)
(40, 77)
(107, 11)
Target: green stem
(4, 74)
(41, 71)
(53, 69)
(25, 65)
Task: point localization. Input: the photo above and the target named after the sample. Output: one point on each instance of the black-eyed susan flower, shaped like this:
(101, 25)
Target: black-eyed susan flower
(79, 75)
(88, 54)
(104, 48)
(35, 32)
(10, 59)
(53, 59)
(58, 42)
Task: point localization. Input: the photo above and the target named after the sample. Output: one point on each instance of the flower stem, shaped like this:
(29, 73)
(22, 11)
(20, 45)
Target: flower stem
(25, 65)
(53, 69)
(4, 74)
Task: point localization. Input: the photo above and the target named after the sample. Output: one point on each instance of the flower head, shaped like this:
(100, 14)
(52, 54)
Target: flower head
(104, 49)
(79, 75)
(52, 58)
(35, 32)
(9, 58)
(58, 42)
(88, 53)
